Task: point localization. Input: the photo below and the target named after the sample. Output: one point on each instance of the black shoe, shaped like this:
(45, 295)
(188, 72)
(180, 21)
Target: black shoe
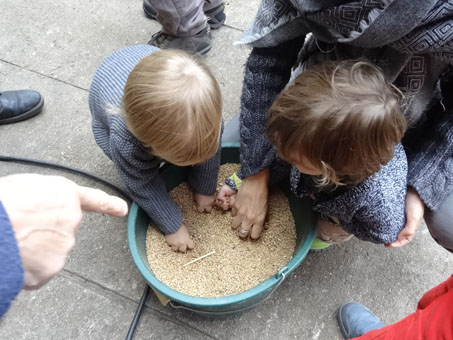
(16, 106)
(216, 16)
(200, 43)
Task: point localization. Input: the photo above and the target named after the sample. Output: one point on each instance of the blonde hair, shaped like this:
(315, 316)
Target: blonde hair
(343, 117)
(173, 105)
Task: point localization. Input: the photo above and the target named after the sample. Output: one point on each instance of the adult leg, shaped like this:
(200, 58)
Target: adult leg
(440, 223)
(213, 9)
(184, 26)
(180, 18)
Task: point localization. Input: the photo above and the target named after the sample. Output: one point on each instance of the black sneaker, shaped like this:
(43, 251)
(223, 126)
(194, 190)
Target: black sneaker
(16, 106)
(216, 16)
(200, 43)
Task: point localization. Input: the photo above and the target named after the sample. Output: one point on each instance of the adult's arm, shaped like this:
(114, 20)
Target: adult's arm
(431, 156)
(267, 72)
(431, 159)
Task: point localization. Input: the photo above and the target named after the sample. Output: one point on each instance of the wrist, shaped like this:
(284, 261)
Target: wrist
(413, 192)
(262, 176)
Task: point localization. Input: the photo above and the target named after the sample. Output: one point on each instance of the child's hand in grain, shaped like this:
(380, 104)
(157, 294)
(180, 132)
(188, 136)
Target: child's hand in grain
(180, 240)
(204, 203)
(225, 198)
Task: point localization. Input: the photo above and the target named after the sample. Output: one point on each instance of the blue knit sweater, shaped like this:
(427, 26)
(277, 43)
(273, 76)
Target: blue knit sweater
(137, 166)
(11, 272)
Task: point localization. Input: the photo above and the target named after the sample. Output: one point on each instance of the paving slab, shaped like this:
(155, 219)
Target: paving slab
(67, 39)
(55, 47)
(239, 14)
(69, 308)
(71, 39)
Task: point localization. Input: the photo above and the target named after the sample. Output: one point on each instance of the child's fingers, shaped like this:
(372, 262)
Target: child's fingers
(183, 248)
(231, 200)
(190, 244)
(174, 248)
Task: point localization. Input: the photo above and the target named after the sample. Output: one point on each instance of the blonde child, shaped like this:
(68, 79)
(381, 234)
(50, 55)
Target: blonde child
(338, 127)
(170, 111)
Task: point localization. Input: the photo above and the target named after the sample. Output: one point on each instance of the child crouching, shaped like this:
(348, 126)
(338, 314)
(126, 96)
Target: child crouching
(339, 125)
(170, 111)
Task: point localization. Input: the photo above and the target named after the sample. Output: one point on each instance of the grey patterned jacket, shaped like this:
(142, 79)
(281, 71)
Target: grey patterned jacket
(410, 40)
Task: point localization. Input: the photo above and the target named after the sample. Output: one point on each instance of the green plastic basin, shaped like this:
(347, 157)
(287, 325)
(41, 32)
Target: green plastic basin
(137, 227)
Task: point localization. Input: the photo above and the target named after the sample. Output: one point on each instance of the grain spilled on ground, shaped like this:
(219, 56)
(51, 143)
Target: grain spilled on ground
(237, 265)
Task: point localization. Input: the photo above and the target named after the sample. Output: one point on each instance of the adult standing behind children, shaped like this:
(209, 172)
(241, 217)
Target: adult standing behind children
(151, 106)
(185, 24)
(409, 41)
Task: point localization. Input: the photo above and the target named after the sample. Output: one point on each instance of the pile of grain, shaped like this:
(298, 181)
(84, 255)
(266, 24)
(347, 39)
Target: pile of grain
(237, 265)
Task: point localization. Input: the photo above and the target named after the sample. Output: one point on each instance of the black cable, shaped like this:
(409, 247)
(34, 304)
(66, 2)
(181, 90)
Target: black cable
(138, 313)
(45, 164)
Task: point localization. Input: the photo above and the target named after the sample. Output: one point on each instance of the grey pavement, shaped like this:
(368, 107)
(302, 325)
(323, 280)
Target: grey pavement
(54, 47)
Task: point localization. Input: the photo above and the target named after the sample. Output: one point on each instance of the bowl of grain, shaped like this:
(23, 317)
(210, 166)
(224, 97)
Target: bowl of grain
(223, 275)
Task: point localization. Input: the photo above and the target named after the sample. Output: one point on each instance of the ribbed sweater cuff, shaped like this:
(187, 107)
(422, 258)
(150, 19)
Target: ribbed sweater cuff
(11, 271)
(166, 215)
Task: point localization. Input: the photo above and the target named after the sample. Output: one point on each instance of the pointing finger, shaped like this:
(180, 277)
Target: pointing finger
(96, 200)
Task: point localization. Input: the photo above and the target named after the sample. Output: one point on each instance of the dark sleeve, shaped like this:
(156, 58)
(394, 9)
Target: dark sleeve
(203, 177)
(267, 71)
(431, 160)
(11, 272)
(429, 147)
(139, 171)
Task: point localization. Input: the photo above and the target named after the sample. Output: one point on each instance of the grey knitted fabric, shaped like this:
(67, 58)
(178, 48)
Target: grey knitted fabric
(266, 73)
(373, 210)
(135, 163)
(411, 42)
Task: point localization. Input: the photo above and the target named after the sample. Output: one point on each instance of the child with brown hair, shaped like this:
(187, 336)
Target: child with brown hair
(171, 111)
(339, 125)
